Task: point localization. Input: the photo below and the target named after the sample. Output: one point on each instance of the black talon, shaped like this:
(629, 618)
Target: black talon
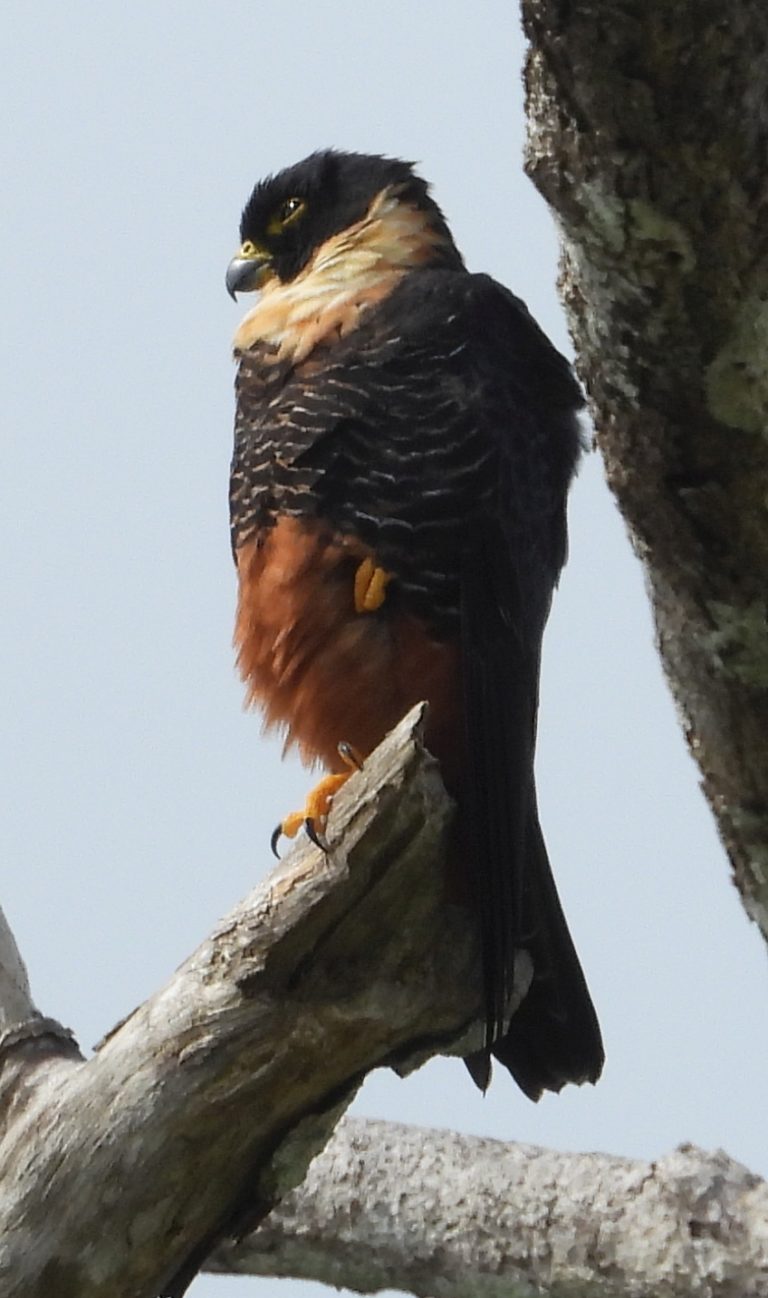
(275, 839)
(314, 836)
(351, 757)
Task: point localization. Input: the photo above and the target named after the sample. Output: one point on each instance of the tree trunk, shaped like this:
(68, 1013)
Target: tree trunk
(649, 138)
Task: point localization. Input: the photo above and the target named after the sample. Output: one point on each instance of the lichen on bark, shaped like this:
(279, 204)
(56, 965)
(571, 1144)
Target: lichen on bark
(648, 136)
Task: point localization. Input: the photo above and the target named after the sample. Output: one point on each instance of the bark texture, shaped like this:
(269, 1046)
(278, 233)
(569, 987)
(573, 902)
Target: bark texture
(649, 137)
(447, 1216)
(197, 1113)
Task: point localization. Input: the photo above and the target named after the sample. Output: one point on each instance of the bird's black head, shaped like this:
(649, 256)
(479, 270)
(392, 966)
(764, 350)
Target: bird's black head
(290, 215)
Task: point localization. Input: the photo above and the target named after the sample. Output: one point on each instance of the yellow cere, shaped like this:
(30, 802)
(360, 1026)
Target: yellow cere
(250, 251)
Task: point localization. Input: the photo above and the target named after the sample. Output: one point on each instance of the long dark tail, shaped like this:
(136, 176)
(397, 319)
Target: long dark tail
(554, 1036)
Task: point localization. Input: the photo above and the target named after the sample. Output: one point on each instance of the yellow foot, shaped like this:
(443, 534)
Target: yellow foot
(370, 586)
(318, 804)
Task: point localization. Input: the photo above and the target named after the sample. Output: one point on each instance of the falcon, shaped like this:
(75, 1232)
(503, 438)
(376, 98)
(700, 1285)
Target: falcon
(405, 438)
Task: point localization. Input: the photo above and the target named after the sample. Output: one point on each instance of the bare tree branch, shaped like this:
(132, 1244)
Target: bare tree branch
(447, 1216)
(198, 1112)
(16, 1004)
(648, 136)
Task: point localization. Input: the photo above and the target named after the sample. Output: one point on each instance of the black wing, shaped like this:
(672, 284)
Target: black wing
(527, 402)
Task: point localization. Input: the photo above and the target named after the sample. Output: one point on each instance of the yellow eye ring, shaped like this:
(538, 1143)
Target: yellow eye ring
(286, 214)
(291, 209)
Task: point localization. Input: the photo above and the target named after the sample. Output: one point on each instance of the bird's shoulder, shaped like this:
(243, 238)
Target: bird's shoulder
(476, 323)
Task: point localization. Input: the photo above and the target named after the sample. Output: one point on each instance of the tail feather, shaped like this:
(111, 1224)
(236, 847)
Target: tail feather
(554, 1036)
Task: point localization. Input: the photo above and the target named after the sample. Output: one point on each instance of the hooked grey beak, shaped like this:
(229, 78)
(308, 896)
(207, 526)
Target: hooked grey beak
(246, 274)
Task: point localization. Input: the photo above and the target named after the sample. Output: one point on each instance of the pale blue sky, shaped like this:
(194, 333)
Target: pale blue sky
(139, 797)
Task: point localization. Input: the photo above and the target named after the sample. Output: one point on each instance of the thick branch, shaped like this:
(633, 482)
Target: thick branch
(16, 1004)
(201, 1109)
(447, 1216)
(648, 135)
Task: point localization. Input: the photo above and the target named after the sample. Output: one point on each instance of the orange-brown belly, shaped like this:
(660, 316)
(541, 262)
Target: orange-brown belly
(321, 670)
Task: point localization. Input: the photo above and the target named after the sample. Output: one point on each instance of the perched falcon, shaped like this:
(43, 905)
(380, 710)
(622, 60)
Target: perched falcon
(404, 442)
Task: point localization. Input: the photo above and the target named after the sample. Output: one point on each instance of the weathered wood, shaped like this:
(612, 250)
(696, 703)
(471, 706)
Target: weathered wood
(206, 1104)
(649, 138)
(442, 1215)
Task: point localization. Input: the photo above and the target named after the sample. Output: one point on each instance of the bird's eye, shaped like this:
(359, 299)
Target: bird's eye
(289, 211)
(285, 215)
